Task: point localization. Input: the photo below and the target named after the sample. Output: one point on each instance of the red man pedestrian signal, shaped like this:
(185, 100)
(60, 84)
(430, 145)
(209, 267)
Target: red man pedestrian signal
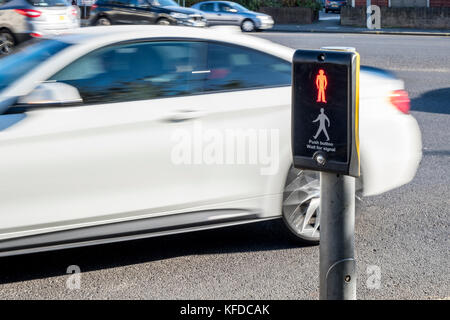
(321, 84)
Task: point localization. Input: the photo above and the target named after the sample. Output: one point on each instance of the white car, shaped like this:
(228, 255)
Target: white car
(125, 132)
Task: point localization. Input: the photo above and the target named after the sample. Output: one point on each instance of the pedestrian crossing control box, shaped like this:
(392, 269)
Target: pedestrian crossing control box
(325, 111)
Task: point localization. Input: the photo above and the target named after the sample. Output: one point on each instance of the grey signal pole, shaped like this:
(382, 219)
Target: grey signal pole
(337, 237)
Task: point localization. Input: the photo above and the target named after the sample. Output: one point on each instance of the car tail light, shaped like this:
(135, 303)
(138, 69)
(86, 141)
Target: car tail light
(36, 34)
(73, 11)
(400, 99)
(30, 13)
(94, 6)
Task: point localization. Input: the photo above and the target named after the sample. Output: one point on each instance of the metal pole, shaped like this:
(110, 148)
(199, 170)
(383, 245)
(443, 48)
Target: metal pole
(337, 237)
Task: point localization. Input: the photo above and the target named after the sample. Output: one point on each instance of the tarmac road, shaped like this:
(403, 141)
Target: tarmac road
(403, 234)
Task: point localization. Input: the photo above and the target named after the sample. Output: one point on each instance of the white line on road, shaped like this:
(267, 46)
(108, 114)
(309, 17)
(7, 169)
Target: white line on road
(418, 70)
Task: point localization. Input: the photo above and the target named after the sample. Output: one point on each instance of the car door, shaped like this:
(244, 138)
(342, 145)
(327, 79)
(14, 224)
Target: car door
(109, 159)
(211, 13)
(140, 12)
(247, 98)
(123, 12)
(227, 15)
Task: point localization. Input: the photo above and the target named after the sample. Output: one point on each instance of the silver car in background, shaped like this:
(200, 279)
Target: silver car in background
(231, 13)
(21, 20)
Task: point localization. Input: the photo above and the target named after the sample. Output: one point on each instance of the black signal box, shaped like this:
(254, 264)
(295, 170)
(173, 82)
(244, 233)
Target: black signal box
(325, 111)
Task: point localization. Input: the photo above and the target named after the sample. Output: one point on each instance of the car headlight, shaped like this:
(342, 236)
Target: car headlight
(178, 15)
(264, 18)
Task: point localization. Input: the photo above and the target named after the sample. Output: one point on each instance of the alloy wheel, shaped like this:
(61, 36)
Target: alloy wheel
(103, 22)
(301, 210)
(248, 26)
(6, 43)
(163, 22)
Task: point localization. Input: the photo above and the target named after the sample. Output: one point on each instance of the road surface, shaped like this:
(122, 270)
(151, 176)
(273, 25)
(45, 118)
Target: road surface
(401, 236)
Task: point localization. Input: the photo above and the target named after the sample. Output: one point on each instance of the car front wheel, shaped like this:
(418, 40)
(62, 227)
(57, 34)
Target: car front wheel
(248, 26)
(103, 21)
(6, 42)
(301, 209)
(163, 22)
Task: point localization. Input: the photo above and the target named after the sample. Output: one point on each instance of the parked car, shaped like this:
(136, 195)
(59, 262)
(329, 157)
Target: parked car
(22, 19)
(230, 13)
(164, 12)
(125, 132)
(334, 5)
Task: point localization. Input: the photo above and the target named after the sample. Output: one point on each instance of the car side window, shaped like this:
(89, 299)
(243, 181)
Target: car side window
(137, 71)
(234, 67)
(120, 2)
(223, 7)
(138, 3)
(207, 7)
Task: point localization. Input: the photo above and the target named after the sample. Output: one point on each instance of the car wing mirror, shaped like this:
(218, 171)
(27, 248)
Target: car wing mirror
(51, 94)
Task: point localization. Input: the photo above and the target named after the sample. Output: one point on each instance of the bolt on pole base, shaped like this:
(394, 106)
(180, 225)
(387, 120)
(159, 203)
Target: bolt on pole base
(337, 237)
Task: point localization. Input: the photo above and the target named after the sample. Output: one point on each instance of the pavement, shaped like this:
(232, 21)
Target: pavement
(403, 235)
(330, 23)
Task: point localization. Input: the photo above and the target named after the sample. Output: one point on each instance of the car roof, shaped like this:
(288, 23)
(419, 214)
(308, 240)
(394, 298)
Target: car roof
(104, 35)
(216, 1)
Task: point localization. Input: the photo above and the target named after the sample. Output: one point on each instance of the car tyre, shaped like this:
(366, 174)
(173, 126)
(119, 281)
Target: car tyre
(7, 42)
(248, 26)
(301, 206)
(103, 21)
(163, 22)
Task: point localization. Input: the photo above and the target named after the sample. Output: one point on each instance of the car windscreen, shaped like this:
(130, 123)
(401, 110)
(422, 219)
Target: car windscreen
(48, 3)
(163, 3)
(16, 65)
(239, 8)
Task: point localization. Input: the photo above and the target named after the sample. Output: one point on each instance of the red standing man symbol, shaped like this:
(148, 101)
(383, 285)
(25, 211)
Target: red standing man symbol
(321, 84)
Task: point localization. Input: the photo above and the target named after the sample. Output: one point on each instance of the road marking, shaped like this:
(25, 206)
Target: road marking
(418, 70)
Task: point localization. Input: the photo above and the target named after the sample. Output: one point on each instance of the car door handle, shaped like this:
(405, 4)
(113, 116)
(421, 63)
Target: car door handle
(184, 115)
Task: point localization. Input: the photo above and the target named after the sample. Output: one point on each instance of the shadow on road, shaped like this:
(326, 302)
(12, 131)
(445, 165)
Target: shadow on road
(262, 236)
(435, 101)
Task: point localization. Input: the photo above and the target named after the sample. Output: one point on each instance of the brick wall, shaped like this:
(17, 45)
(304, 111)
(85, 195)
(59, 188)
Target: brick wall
(439, 3)
(419, 18)
(381, 3)
(297, 15)
(384, 3)
(408, 3)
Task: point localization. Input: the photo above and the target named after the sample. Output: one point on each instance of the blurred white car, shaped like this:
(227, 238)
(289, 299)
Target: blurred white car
(119, 133)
